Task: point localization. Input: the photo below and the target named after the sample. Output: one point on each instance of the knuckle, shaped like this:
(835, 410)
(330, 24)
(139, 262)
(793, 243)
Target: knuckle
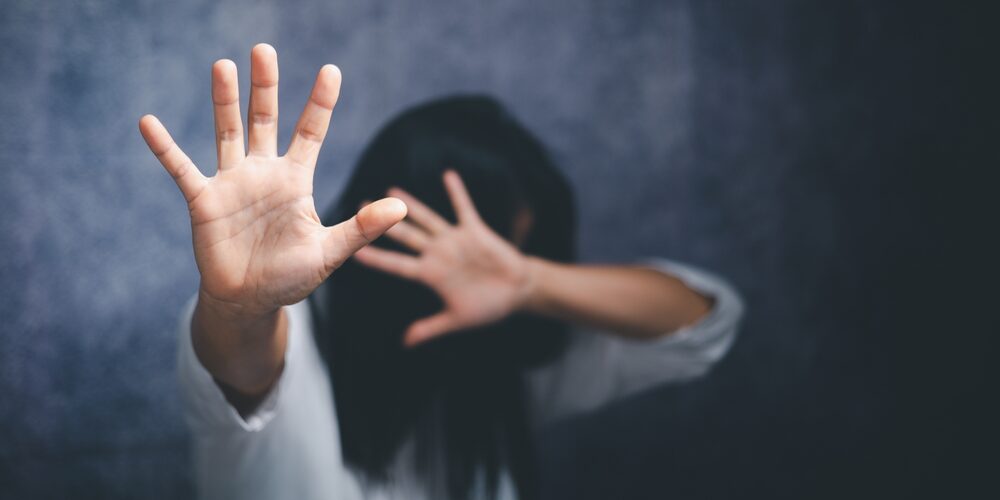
(309, 134)
(262, 119)
(230, 134)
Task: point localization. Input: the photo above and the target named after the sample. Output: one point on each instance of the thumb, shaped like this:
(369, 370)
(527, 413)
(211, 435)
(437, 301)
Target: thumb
(430, 327)
(342, 240)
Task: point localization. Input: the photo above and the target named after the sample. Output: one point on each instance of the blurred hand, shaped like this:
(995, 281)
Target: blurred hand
(480, 277)
(258, 241)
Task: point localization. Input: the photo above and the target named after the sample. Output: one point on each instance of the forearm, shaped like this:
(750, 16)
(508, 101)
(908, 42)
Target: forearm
(244, 351)
(631, 301)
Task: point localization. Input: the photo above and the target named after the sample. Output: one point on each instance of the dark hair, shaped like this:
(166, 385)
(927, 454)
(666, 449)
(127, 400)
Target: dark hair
(461, 397)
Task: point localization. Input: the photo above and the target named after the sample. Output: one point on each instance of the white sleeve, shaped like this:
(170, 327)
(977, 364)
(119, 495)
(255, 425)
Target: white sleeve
(289, 447)
(598, 368)
(204, 405)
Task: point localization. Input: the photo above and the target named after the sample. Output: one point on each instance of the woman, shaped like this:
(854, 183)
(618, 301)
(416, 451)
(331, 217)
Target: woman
(418, 368)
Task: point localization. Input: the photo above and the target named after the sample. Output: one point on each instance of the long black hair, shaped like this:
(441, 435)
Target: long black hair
(461, 397)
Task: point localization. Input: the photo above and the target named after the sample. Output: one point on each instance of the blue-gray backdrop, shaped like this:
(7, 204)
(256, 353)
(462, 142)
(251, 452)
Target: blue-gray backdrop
(797, 149)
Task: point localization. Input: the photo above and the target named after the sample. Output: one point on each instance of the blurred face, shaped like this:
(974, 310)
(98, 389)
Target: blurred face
(521, 228)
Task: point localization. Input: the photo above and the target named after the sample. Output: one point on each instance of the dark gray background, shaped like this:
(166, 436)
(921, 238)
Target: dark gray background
(807, 152)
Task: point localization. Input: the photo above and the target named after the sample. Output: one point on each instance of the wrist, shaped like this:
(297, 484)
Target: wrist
(243, 348)
(530, 288)
(235, 313)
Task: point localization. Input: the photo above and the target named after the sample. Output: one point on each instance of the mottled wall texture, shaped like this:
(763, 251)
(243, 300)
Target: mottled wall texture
(808, 151)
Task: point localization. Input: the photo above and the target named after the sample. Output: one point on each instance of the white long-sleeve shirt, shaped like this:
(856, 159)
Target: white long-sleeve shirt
(289, 447)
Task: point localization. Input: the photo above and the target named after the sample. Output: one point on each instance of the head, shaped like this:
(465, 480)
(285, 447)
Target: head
(460, 397)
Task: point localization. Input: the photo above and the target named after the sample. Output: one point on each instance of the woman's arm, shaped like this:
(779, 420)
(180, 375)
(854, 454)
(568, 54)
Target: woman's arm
(244, 353)
(599, 369)
(482, 278)
(258, 241)
(633, 301)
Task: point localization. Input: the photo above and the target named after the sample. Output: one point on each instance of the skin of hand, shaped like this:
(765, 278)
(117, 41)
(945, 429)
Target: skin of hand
(482, 278)
(258, 241)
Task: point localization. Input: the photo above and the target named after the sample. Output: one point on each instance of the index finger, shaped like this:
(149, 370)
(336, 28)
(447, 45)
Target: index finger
(315, 119)
(420, 213)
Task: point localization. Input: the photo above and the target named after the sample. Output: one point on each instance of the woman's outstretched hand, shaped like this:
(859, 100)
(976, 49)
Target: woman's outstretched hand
(479, 276)
(258, 241)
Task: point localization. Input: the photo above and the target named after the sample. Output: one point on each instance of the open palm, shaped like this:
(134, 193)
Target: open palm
(480, 277)
(258, 241)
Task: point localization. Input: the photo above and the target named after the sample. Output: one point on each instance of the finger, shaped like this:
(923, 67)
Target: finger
(315, 119)
(185, 173)
(409, 235)
(465, 210)
(430, 327)
(387, 261)
(420, 213)
(228, 124)
(344, 239)
(263, 121)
